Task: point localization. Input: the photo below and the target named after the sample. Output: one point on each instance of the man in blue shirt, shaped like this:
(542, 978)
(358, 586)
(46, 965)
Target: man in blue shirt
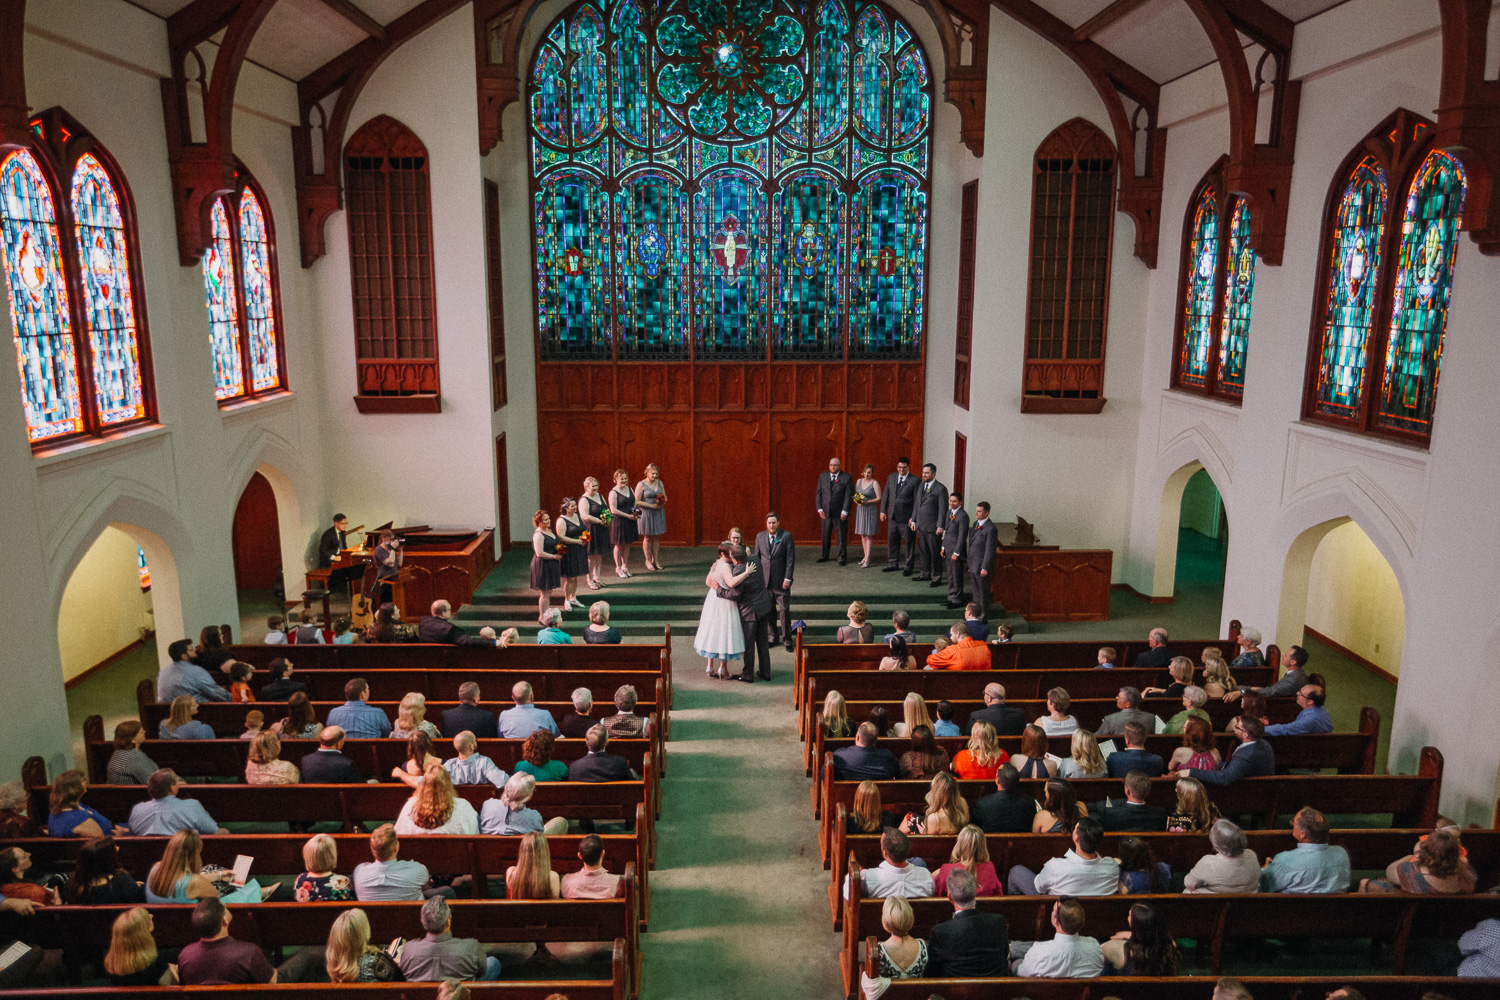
(165, 814)
(184, 677)
(471, 767)
(358, 720)
(389, 878)
(523, 720)
(901, 621)
(1313, 718)
(1313, 865)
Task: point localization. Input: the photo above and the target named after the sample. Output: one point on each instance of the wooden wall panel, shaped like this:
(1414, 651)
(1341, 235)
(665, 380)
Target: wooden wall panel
(667, 441)
(732, 454)
(800, 449)
(881, 439)
(573, 446)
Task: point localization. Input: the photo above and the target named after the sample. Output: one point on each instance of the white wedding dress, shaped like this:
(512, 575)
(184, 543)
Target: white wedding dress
(720, 636)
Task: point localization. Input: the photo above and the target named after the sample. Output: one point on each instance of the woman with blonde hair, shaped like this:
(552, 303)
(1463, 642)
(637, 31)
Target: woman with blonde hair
(1085, 760)
(971, 853)
(835, 717)
(132, 959)
(902, 956)
(914, 708)
(858, 630)
(622, 525)
(419, 753)
(1197, 748)
(1060, 810)
(1180, 669)
(180, 724)
(508, 814)
(350, 958)
(320, 883)
(591, 508)
(265, 766)
(868, 816)
(650, 498)
(411, 717)
(599, 630)
(983, 756)
(947, 812)
(1194, 812)
(532, 877)
(178, 878)
(1217, 681)
(435, 808)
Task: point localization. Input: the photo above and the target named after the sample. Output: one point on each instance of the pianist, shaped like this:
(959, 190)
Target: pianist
(334, 541)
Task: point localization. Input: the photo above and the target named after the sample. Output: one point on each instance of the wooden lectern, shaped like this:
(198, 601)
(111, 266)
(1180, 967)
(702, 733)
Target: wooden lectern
(1046, 583)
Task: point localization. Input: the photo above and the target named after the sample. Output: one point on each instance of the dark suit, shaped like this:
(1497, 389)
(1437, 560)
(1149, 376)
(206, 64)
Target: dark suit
(575, 726)
(955, 542)
(1115, 722)
(1007, 720)
(281, 689)
(857, 763)
(932, 507)
(899, 503)
(1249, 760)
(835, 497)
(971, 944)
(1127, 817)
(329, 767)
(607, 767)
(1154, 659)
(1122, 762)
(431, 628)
(755, 606)
(476, 720)
(332, 542)
(1004, 812)
(981, 559)
(777, 564)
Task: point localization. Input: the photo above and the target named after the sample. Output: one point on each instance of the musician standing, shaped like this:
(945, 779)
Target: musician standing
(388, 556)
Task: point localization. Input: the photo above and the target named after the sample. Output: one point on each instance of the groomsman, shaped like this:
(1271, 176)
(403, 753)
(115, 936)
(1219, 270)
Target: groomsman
(776, 554)
(955, 548)
(926, 523)
(981, 558)
(897, 506)
(835, 497)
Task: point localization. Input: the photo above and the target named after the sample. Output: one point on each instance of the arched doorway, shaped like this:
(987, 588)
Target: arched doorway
(107, 608)
(1192, 538)
(257, 537)
(1339, 588)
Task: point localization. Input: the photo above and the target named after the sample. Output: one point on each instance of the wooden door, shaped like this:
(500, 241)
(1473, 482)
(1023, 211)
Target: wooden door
(960, 465)
(257, 539)
(502, 493)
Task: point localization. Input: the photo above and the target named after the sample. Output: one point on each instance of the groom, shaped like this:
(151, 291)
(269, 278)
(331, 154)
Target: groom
(776, 554)
(755, 608)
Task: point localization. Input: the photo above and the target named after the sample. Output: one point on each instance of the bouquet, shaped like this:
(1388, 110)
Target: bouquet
(561, 548)
(607, 516)
(859, 498)
(585, 537)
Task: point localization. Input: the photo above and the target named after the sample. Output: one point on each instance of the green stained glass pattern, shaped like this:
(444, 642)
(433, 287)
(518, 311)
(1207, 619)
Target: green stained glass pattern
(707, 155)
(887, 266)
(836, 157)
(544, 157)
(1239, 293)
(729, 256)
(1350, 301)
(809, 225)
(629, 67)
(675, 157)
(651, 261)
(628, 156)
(866, 158)
(588, 82)
(828, 69)
(784, 158)
(572, 267)
(872, 75)
(913, 156)
(1198, 303)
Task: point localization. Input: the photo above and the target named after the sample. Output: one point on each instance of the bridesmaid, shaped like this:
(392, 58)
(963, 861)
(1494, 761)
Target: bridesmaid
(622, 533)
(591, 507)
(545, 563)
(867, 511)
(575, 552)
(650, 497)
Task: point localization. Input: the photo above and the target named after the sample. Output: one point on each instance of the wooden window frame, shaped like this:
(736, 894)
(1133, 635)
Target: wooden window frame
(960, 460)
(243, 181)
(963, 345)
(1224, 206)
(494, 278)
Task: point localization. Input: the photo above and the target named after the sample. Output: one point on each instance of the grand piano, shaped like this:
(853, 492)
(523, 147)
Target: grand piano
(441, 564)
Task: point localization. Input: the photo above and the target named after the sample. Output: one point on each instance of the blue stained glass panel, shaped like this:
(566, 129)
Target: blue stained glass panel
(912, 102)
(729, 257)
(828, 68)
(260, 304)
(223, 308)
(1239, 293)
(589, 89)
(1349, 306)
(872, 77)
(1198, 300)
(38, 301)
(573, 267)
(549, 89)
(628, 72)
(104, 259)
(889, 251)
(810, 225)
(651, 261)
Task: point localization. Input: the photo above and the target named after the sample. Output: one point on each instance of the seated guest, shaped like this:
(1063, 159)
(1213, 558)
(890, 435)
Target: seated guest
(438, 627)
(1253, 758)
(508, 815)
(255, 721)
(1082, 871)
(1007, 719)
(945, 813)
(1057, 721)
(1003, 633)
(265, 767)
(1106, 658)
(129, 765)
(599, 631)
(1250, 654)
(435, 808)
(411, 717)
(68, 816)
(178, 878)
(1068, 955)
(864, 759)
(342, 634)
(881, 720)
(1060, 810)
(166, 814)
(914, 713)
(1140, 873)
(901, 955)
(320, 883)
(983, 756)
(599, 765)
(99, 879)
(468, 715)
(216, 959)
(350, 958)
(179, 723)
(1193, 700)
(1194, 812)
(532, 877)
(387, 877)
(894, 876)
(900, 627)
(859, 629)
(1253, 704)
(14, 823)
(591, 881)
(300, 722)
(525, 718)
(358, 720)
(1134, 814)
(239, 676)
(945, 726)
(327, 765)
(1005, 810)
(835, 717)
(14, 864)
(1217, 680)
(1197, 748)
(439, 955)
(183, 676)
(970, 943)
(977, 629)
(962, 653)
(471, 767)
(310, 632)
(1291, 682)
(133, 959)
(867, 816)
(1128, 701)
(1436, 866)
(896, 657)
(970, 854)
(925, 758)
(419, 753)
(577, 723)
(1157, 655)
(625, 724)
(275, 636)
(1233, 867)
(1480, 947)
(551, 633)
(1313, 717)
(1032, 761)
(1313, 866)
(536, 758)
(1181, 671)
(1231, 989)
(388, 627)
(1146, 949)
(1084, 760)
(1135, 756)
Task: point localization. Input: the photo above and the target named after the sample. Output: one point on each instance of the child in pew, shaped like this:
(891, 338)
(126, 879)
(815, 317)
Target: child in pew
(255, 721)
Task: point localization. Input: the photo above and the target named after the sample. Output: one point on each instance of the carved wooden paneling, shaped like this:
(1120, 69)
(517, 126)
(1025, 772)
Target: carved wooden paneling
(731, 394)
(732, 454)
(801, 448)
(881, 439)
(629, 381)
(808, 387)
(571, 448)
(758, 388)
(679, 387)
(783, 386)
(1054, 585)
(396, 377)
(549, 380)
(667, 441)
(834, 386)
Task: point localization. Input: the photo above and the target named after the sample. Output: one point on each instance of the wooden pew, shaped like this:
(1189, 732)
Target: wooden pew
(495, 685)
(1191, 988)
(615, 988)
(1411, 798)
(1368, 850)
(1347, 753)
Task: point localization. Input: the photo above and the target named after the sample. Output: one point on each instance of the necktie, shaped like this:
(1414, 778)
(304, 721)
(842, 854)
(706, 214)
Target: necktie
(927, 488)
(900, 480)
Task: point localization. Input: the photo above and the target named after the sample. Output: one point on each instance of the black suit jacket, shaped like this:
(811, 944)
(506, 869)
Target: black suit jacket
(1154, 659)
(857, 763)
(329, 546)
(778, 565)
(899, 502)
(476, 720)
(1122, 762)
(1007, 719)
(835, 495)
(607, 767)
(281, 689)
(971, 944)
(1129, 818)
(981, 554)
(431, 628)
(932, 505)
(956, 534)
(1004, 812)
(750, 597)
(329, 767)
(575, 726)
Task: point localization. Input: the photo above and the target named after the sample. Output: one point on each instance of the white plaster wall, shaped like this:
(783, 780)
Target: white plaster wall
(102, 605)
(1353, 597)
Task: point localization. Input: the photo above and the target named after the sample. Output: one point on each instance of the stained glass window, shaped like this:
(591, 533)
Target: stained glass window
(727, 179)
(104, 262)
(1239, 293)
(223, 308)
(260, 310)
(142, 569)
(239, 282)
(1198, 303)
(1352, 267)
(1218, 287)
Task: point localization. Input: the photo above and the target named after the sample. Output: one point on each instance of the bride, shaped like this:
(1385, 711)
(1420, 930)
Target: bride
(720, 637)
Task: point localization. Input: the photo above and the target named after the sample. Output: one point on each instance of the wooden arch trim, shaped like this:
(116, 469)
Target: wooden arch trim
(1468, 116)
(13, 118)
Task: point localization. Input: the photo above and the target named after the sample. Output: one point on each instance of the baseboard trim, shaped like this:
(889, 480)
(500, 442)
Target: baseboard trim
(1145, 597)
(73, 682)
(1343, 650)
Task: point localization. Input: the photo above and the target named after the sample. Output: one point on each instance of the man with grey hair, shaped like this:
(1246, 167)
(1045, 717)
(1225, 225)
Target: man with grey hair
(439, 955)
(625, 724)
(1128, 701)
(1158, 655)
(471, 767)
(468, 715)
(971, 943)
(523, 720)
(1233, 867)
(438, 627)
(577, 723)
(1007, 719)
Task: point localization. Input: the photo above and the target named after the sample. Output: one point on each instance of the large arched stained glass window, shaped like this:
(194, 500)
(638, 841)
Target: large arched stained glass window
(241, 289)
(1349, 312)
(1198, 303)
(260, 305)
(223, 307)
(735, 179)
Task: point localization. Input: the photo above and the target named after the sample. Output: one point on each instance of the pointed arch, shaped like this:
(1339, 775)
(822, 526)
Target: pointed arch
(243, 294)
(1216, 286)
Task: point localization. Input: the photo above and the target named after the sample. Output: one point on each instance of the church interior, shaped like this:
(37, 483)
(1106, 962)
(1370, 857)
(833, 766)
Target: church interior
(1159, 293)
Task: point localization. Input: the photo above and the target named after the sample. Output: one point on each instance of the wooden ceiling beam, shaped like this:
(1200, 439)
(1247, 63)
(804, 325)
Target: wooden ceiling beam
(1263, 24)
(14, 111)
(1116, 11)
(364, 22)
(199, 21)
(1468, 117)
